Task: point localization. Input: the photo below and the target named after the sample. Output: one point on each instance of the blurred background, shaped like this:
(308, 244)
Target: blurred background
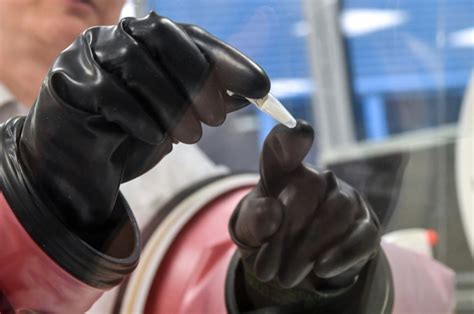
(383, 83)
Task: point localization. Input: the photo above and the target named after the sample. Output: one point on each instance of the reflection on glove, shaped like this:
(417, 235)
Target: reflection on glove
(301, 227)
(115, 100)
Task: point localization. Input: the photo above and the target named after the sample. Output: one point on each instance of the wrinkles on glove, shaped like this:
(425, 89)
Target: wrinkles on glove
(301, 227)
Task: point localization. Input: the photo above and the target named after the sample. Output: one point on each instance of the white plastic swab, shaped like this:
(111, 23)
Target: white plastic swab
(272, 106)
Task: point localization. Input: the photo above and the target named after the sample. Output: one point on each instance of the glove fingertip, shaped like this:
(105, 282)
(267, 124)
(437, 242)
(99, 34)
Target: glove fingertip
(283, 151)
(325, 268)
(266, 264)
(236, 72)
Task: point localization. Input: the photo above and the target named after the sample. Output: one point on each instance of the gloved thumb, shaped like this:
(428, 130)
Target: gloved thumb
(283, 151)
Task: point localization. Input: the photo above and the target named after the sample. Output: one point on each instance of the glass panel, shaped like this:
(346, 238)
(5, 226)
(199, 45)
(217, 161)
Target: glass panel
(273, 34)
(410, 62)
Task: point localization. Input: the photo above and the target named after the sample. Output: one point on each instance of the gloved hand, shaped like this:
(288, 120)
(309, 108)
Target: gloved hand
(115, 100)
(300, 227)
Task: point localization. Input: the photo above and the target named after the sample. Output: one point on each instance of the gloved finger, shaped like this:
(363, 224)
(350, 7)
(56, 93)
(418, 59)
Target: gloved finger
(305, 190)
(364, 211)
(130, 116)
(358, 246)
(315, 222)
(188, 130)
(283, 151)
(321, 214)
(236, 72)
(338, 210)
(80, 89)
(294, 271)
(255, 220)
(177, 53)
(347, 277)
(119, 54)
(234, 103)
(208, 102)
(269, 258)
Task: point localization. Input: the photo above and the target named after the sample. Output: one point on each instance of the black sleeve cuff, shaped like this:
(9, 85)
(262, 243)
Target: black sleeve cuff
(372, 292)
(102, 264)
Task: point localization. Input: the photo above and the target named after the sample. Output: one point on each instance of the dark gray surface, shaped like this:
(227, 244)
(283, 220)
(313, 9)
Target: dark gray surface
(234, 143)
(428, 199)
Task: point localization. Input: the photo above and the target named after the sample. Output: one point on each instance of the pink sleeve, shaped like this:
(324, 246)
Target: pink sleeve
(422, 285)
(29, 279)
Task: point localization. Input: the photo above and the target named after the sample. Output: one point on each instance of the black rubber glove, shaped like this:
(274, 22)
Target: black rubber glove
(115, 100)
(300, 227)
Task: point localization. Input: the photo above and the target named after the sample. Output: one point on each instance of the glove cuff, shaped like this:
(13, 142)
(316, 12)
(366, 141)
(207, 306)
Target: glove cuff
(101, 264)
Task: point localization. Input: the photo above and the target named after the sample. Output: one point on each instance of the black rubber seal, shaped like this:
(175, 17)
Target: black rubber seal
(236, 294)
(101, 267)
(372, 293)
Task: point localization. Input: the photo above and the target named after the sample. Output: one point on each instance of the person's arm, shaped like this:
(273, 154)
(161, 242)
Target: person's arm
(110, 108)
(308, 241)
